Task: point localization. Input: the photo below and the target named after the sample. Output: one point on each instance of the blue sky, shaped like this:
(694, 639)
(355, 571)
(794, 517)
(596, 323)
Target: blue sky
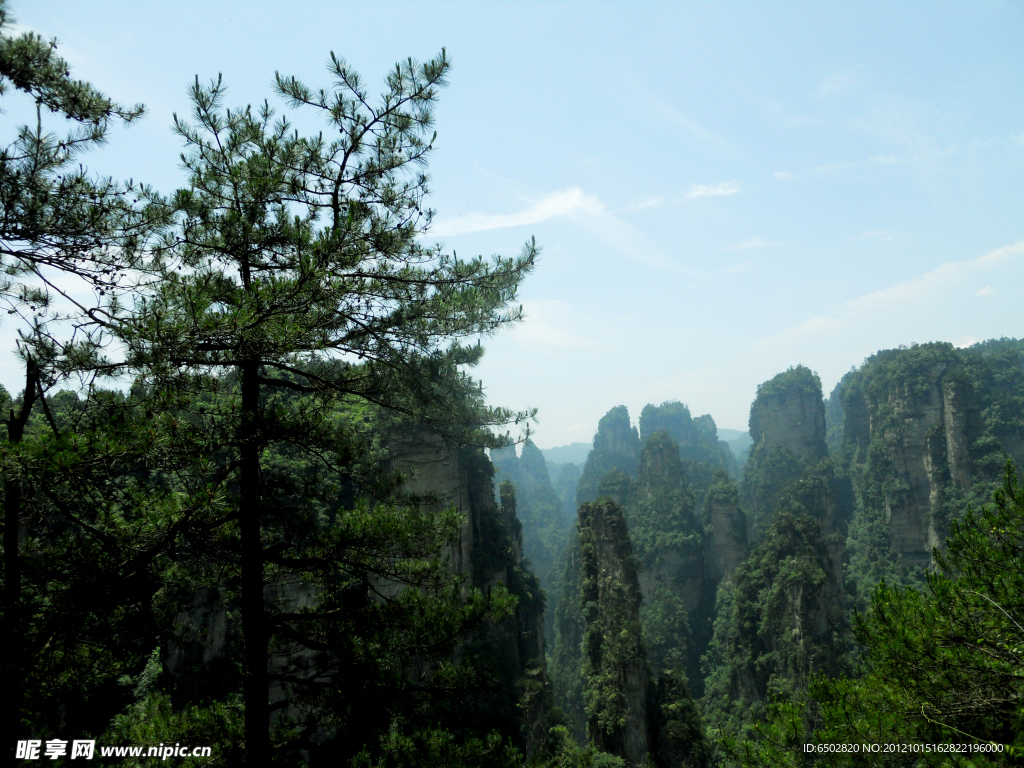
(722, 190)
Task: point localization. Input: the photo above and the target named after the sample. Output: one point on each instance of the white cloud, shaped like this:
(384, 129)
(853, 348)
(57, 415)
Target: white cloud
(871, 162)
(815, 326)
(840, 82)
(884, 235)
(583, 209)
(946, 277)
(746, 266)
(987, 290)
(753, 242)
(16, 29)
(785, 175)
(711, 190)
(950, 274)
(547, 327)
(558, 204)
(675, 115)
(647, 202)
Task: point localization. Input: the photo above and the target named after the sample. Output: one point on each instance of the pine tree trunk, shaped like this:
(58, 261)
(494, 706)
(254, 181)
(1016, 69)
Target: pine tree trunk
(14, 660)
(254, 622)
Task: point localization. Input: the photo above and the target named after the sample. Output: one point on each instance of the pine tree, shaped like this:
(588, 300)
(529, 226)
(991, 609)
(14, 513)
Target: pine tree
(294, 289)
(56, 223)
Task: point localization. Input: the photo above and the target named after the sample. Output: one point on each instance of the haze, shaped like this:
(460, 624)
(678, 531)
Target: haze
(721, 190)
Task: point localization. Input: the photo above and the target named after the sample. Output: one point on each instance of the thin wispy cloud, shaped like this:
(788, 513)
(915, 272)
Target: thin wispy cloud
(556, 205)
(780, 113)
(753, 242)
(647, 202)
(547, 327)
(884, 235)
(873, 161)
(711, 190)
(784, 175)
(840, 82)
(677, 116)
(586, 210)
(746, 266)
(986, 291)
(925, 287)
(951, 274)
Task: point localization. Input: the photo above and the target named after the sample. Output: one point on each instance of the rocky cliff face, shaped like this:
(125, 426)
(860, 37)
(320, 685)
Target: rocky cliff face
(680, 559)
(616, 447)
(781, 616)
(669, 546)
(726, 545)
(516, 702)
(629, 713)
(787, 423)
(926, 430)
(789, 413)
(545, 528)
(618, 682)
(778, 624)
(697, 438)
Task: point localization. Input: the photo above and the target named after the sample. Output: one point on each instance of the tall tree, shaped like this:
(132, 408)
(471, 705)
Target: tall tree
(56, 223)
(297, 265)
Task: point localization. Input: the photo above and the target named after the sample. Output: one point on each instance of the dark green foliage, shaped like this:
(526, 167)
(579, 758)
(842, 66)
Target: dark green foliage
(565, 666)
(782, 403)
(768, 471)
(60, 230)
(563, 751)
(799, 378)
(98, 541)
(669, 547)
(667, 634)
(721, 492)
(616, 485)
(243, 487)
(940, 666)
(625, 707)
(682, 741)
(437, 748)
(288, 286)
(613, 650)
(776, 626)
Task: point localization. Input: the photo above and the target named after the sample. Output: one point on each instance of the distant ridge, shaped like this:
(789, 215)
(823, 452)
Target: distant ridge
(574, 453)
(728, 435)
(739, 442)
